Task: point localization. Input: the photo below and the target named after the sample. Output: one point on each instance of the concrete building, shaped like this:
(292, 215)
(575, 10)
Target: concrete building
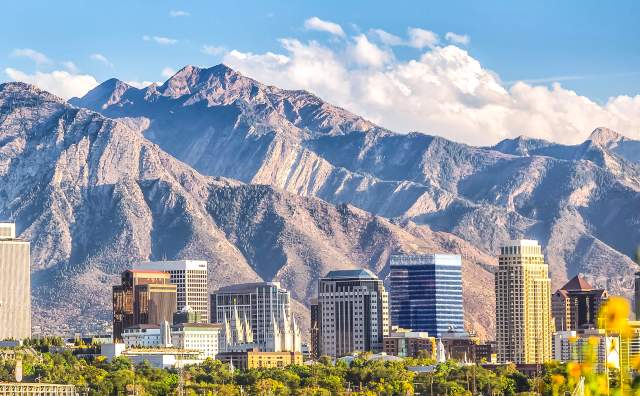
(580, 346)
(630, 350)
(258, 359)
(15, 284)
(353, 312)
(142, 336)
(636, 294)
(203, 337)
(575, 305)
(406, 343)
(36, 389)
(190, 278)
(143, 297)
(256, 315)
(523, 304)
(425, 292)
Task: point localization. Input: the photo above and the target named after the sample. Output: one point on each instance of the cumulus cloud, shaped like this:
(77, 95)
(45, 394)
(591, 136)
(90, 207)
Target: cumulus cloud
(421, 38)
(212, 49)
(444, 90)
(457, 38)
(178, 13)
(70, 66)
(101, 58)
(160, 40)
(167, 72)
(142, 84)
(386, 37)
(58, 82)
(315, 23)
(37, 57)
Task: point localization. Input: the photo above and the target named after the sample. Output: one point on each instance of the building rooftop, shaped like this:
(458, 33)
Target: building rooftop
(521, 242)
(577, 283)
(354, 273)
(246, 287)
(176, 265)
(197, 326)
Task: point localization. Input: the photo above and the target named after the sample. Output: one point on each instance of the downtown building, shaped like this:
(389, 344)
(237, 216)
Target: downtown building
(144, 297)
(256, 316)
(353, 313)
(425, 293)
(15, 285)
(524, 324)
(575, 305)
(190, 278)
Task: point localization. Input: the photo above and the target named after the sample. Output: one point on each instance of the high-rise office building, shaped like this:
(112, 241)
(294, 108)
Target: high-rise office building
(425, 293)
(575, 305)
(143, 297)
(353, 312)
(256, 315)
(15, 284)
(523, 304)
(636, 294)
(190, 277)
(314, 328)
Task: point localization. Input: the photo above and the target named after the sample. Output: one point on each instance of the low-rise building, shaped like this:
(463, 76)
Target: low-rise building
(257, 359)
(203, 337)
(407, 343)
(142, 335)
(465, 347)
(164, 357)
(36, 389)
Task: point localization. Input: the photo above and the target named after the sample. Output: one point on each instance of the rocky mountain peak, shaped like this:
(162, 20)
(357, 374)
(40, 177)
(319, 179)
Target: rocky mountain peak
(604, 136)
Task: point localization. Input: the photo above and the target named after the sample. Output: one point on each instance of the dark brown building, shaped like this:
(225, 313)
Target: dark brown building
(575, 305)
(143, 297)
(315, 328)
(406, 343)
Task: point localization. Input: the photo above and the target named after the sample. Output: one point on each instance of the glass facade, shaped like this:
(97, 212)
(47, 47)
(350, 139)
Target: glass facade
(426, 293)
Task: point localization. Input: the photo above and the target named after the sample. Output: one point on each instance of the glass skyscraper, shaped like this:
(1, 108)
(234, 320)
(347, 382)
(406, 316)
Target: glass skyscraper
(426, 293)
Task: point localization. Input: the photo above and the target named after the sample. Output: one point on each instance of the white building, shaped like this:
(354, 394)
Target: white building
(353, 313)
(203, 337)
(142, 336)
(190, 278)
(576, 346)
(15, 285)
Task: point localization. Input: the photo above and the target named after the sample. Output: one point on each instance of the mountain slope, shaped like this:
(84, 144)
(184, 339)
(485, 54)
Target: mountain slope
(93, 195)
(579, 201)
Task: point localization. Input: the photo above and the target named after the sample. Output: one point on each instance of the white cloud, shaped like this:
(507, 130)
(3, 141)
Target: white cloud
(178, 13)
(58, 82)
(101, 58)
(37, 57)
(70, 66)
(457, 38)
(421, 38)
(160, 40)
(315, 23)
(387, 38)
(167, 72)
(443, 91)
(212, 50)
(366, 53)
(142, 84)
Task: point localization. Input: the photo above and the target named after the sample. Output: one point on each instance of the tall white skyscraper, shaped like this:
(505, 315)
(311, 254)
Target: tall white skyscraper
(190, 278)
(353, 311)
(15, 284)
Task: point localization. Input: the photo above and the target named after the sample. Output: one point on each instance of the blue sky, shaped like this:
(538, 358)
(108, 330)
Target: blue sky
(590, 47)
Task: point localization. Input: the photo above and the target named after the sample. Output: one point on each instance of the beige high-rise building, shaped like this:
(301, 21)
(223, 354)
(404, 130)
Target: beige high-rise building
(524, 325)
(15, 284)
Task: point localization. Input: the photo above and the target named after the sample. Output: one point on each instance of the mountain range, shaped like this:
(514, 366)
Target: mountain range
(267, 184)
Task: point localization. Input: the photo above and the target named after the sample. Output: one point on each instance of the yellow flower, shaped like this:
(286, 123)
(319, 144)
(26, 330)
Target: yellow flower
(602, 384)
(573, 339)
(614, 314)
(594, 341)
(557, 379)
(635, 362)
(574, 369)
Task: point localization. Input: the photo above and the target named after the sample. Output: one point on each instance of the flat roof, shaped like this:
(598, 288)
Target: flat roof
(246, 287)
(352, 273)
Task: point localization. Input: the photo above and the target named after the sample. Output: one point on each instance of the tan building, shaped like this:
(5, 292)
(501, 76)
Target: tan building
(15, 285)
(524, 324)
(406, 343)
(257, 359)
(36, 389)
(575, 305)
(143, 297)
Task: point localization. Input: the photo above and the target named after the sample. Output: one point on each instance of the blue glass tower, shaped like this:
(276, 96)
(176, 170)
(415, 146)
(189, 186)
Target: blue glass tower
(426, 293)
